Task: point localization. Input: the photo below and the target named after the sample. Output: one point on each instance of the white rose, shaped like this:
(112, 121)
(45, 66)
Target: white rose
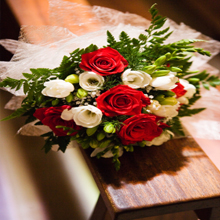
(136, 79)
(57, 88)
(163, 110)
(90, 81)
(164, 137)
(87, 116)
(165, 82)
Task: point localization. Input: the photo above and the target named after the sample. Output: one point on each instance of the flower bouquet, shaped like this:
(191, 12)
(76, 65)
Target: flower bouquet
(128, 93)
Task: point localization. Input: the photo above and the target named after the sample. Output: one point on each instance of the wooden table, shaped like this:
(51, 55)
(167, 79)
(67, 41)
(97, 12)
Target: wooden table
(153, 181)
(177, 176)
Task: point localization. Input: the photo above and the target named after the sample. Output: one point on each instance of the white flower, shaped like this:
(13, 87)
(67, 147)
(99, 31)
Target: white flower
(190, 91)
(163, 110)
(165, 82)
(136, 79)
(57, 88)
(87, 116)
(67, 115)
(90, 81)
(164, 137)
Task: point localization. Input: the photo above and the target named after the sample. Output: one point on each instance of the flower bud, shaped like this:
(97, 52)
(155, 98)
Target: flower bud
(168, 55)
(142, 144)
(193, 80)
(40, 98)
(55, 102)
(109, 128)
(94, 143)
(69, 98)
(175, 69)
(81, 93)
(91, 131)
(160, 98)
(169, 93)
(169, 101)
(100, 136)
(73, 78)
(160, 73)
(160, 61)
(149, 69)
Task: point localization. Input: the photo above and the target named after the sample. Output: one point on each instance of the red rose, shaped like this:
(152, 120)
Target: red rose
(179, 90)
(139, 128)
(51, 117)
(122, 100)
(105, 61)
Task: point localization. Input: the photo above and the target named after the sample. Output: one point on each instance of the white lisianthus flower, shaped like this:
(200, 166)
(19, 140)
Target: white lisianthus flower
(169, 111)
(87, 116)
(67, 115)
(190, 91)
(165, 82)
(57, 88)
(164, 137)
(91, 81)
(136, 79)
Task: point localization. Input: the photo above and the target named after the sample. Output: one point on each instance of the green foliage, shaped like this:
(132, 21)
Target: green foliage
(205, 79)
(33, 84)
(51, 140)
(176, 126)
(70, 65)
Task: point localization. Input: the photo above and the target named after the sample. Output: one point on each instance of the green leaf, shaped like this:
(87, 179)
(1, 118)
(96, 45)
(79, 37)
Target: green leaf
(19, 112)
(205, 85)
(63, 141)
(27, 75)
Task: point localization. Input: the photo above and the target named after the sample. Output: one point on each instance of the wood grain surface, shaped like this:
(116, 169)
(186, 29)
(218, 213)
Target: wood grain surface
(177, 176)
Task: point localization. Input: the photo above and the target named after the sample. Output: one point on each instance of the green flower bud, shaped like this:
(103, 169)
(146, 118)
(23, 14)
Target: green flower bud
(69, 98)
(160, 61)
(149, 69)
(109, 128)
(169, 101)
(77, 135)
(73, 78)
(105, 143)
(160, 98)
(175, 69)
(169, 93)
(160, 73)
(94, 143)
(193, 80)
(40, 98)
(142, 144)
(55, 102)
(100, 136)
(81, 93)
(91, 131)
(168, 55)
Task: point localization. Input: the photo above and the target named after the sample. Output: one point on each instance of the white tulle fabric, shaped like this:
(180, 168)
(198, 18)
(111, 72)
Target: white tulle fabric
(75, 26)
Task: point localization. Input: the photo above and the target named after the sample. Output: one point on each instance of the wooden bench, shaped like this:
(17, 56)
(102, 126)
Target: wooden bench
(175, 177)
